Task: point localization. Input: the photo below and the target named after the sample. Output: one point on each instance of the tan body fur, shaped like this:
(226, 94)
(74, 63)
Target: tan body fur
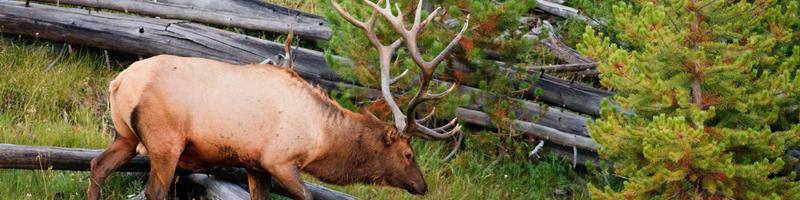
(197, 113)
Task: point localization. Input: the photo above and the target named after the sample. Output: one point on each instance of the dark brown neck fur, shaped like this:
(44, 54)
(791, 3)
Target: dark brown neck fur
(357, 138)
(354, 157)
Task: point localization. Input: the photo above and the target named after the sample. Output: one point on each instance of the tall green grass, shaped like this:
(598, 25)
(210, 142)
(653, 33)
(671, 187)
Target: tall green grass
(61, 106)
(479, 171)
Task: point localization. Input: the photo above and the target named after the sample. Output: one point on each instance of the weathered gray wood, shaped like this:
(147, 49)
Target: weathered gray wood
(555, 44)
(258, 8)
(558, 142)
(56, 158)
(560, 68)
(536, 130)
(528, 111)
(148, 36)
(239, 175)
(217, 189)
(271, 18)
(570, 95)
(567, 12)
(555, 91)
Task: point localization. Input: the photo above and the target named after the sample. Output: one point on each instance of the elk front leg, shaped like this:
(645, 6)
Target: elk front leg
(259, 183)
(120, 152)
(288, 176)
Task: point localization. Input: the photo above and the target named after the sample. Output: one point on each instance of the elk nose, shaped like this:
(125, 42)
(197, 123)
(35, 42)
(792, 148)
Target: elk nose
(423, 190)
(420, 189)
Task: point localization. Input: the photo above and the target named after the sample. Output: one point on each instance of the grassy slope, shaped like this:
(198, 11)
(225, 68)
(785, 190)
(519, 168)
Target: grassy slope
(63, 107)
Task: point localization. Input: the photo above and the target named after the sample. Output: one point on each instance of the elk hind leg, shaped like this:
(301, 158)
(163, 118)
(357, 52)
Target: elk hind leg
(120, 152)
(259, 184)
(163, 162)
(288, 176)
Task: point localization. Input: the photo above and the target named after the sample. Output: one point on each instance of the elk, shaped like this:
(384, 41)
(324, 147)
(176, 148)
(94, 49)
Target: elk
(198, 113)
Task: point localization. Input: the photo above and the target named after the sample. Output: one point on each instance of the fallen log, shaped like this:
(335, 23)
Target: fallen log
(150, 36)
(564, 121)
(258, 8)
(223, 13)
(203, 186)
(555, 91)
(536, 130)
(560, 68)
(217, 189)
(58, 158)
(239, 175)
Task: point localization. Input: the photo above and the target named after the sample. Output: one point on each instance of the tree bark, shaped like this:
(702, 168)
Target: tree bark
(58, 158)
(567, 12)
(271, 18)
(217, 189)
(558, 92)
(150, 36)
(560, 68)
(536, 130)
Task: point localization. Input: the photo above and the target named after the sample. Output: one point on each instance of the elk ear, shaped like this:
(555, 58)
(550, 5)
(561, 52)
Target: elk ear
(391, 135)
(366, 112)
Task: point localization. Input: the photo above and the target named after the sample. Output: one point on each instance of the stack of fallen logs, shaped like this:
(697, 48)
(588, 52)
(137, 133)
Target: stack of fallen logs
(173, 31)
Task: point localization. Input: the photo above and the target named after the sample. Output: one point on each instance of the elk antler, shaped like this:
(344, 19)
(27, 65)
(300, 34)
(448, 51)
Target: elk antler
(287, 48)
(404, 123)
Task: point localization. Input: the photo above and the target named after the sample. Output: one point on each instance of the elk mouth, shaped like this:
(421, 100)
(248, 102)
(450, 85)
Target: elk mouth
(416, 189)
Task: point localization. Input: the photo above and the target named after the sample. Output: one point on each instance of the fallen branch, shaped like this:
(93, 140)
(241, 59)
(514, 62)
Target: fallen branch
(561, 68)
(58, 57)
(567, 12)
(308, 26)
(554, 42)
(536, 149)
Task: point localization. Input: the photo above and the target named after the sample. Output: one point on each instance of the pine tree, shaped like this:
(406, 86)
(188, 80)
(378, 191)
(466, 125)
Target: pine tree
(707, 93)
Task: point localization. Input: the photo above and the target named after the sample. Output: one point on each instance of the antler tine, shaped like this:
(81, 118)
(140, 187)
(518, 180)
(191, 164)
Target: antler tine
(287, 48)
(436, 134)
(448, 125)
(427, 67)
(423, 95)
(385, 56)
(427, 117)
(410, 35)
(398, 77)
(407, 123)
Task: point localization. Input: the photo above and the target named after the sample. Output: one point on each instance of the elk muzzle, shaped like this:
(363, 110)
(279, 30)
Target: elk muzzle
(417, 188)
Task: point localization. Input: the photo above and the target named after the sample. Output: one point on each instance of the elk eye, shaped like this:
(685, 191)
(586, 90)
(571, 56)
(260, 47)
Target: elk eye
(409, 156)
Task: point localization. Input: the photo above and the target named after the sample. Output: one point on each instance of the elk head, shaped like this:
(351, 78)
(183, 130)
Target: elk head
(402, 169)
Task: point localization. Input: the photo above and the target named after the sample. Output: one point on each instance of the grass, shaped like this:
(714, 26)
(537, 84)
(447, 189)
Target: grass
(478, 173)
(65, 106)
